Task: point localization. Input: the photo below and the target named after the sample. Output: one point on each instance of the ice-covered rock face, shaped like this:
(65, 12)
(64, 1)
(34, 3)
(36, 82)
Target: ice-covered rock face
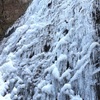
(53, 54)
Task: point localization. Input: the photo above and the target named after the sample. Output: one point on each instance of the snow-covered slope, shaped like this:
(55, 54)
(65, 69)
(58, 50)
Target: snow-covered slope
(53, 53)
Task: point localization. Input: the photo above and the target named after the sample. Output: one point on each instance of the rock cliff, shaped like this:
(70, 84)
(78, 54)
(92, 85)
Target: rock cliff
(10, 11)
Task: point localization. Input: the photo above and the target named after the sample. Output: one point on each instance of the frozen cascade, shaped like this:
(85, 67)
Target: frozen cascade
(54, 52)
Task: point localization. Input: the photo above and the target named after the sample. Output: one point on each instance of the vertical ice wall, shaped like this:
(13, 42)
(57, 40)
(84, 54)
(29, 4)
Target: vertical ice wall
(54, 53)
(96, 51)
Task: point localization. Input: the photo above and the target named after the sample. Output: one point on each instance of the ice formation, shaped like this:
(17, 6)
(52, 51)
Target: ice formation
(54, 53)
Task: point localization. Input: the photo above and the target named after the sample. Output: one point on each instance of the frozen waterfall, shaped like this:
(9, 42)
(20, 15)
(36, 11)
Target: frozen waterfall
(53, 53)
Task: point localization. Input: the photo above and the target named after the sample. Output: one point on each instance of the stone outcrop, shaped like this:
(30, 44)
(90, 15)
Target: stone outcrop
(10, 11)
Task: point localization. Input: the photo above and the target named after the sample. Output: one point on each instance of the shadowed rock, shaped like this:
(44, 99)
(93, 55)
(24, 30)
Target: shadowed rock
(10, 11)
